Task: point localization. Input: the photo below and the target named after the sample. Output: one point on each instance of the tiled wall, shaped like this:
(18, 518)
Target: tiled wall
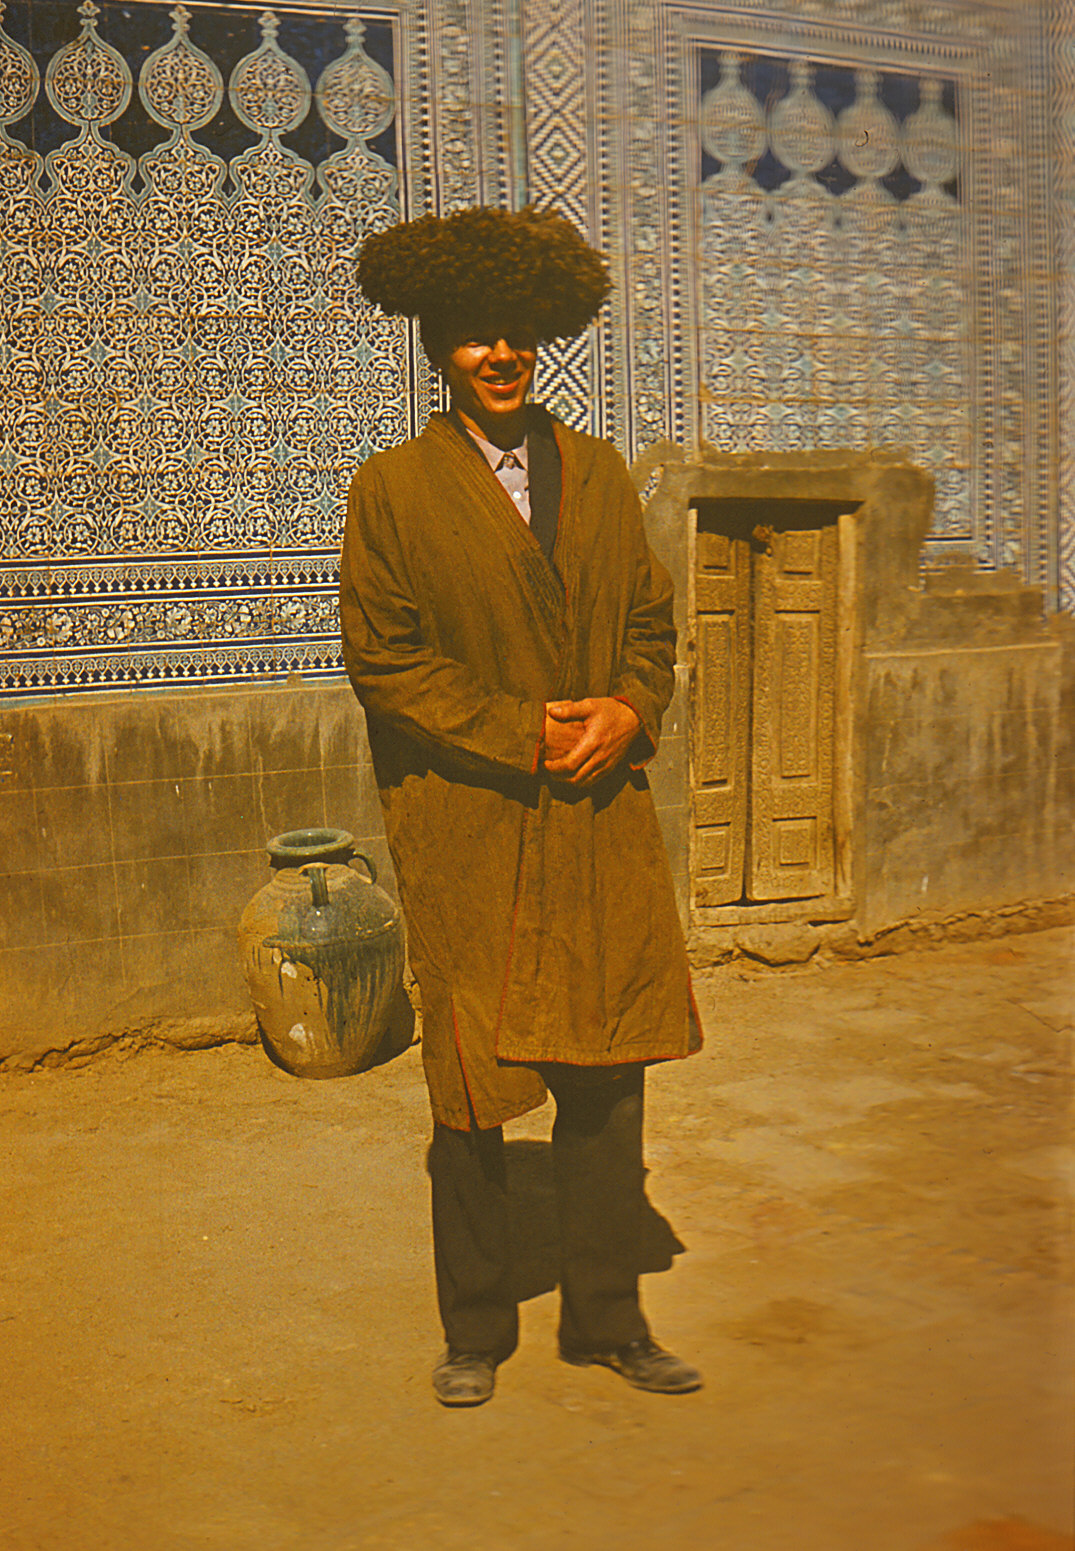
(191, 376)
(134, 834)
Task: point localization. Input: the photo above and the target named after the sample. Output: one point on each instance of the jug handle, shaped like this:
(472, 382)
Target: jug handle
(317, 873)
(360, 856)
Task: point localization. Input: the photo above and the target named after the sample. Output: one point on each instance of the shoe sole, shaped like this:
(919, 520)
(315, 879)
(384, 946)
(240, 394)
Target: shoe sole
(687, 1388)
(469, 1400)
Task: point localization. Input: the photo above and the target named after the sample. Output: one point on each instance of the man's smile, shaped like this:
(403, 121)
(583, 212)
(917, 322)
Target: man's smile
(489, 372)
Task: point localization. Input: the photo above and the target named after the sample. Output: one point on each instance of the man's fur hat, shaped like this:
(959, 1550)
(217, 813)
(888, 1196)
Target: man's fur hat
(485, 265)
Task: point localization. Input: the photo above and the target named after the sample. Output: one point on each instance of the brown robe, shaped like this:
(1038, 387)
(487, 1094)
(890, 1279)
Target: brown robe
(541, 917)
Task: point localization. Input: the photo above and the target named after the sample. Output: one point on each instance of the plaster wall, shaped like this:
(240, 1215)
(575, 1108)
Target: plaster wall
(965, 744)
(968, 789)
(133, 837)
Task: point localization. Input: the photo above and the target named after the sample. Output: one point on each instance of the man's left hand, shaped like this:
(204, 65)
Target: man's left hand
(607, 732)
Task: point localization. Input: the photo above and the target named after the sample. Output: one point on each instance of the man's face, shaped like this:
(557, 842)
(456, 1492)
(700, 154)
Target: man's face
(489, 370)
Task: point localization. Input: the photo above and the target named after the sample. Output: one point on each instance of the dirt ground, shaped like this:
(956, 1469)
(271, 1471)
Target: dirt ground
(218, 1322)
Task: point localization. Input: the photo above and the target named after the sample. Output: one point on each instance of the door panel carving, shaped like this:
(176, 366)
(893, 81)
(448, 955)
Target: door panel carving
(722, 709)
(794, 677)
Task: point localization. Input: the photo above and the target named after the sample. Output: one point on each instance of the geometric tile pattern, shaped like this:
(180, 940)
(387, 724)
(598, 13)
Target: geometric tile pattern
(558, 173)
(1061, 52)
(892, 251)
(975, 398)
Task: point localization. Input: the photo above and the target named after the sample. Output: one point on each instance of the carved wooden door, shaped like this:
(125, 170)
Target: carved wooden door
(792, 727)
(763, 712)
(721, 716)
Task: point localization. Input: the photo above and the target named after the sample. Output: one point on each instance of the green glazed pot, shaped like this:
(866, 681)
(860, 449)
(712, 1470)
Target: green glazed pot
(322, 952)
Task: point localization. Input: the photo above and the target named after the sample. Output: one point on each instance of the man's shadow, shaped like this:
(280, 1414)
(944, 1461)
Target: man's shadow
(535, 1231)
(533, 1221)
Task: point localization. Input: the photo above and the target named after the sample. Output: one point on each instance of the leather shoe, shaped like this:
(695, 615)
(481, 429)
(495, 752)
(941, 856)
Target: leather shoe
(464, 1378)
(644, 1364)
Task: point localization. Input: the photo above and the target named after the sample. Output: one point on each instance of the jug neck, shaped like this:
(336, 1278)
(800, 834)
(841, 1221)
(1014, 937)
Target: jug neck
(300, 847)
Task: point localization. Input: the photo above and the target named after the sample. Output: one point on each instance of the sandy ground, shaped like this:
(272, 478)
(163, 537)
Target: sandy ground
(218, 1322)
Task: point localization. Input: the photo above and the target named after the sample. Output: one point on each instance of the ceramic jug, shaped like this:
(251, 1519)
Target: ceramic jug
(322, 952)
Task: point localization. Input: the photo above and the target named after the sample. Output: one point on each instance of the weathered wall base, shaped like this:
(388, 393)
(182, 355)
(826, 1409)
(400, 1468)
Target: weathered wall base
(176, 1034)
(785, 946)
(778, 948)
(967, 754)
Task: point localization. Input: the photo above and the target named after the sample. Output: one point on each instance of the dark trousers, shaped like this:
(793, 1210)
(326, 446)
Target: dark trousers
(598, 1171)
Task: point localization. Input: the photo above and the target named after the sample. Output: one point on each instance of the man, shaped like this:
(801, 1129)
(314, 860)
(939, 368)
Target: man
(510, 637)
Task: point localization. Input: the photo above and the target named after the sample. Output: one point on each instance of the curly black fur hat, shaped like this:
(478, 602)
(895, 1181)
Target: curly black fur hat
(529, 265)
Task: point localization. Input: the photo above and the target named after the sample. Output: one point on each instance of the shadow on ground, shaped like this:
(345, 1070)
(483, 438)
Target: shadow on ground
(535, 1231)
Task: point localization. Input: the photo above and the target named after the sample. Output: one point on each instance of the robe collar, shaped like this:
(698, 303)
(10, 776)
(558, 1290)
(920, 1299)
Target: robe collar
(536, 566)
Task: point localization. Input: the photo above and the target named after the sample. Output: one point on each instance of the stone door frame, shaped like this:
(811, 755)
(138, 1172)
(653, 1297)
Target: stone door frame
(883, 506)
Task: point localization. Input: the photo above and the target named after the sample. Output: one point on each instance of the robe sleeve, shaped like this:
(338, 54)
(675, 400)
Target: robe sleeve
(394, 672)
(645, 676)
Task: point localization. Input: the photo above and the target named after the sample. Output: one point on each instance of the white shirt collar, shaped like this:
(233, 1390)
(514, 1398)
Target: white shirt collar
(493, 454)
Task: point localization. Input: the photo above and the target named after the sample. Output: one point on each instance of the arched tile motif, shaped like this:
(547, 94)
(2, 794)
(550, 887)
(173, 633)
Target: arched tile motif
(822, 305)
